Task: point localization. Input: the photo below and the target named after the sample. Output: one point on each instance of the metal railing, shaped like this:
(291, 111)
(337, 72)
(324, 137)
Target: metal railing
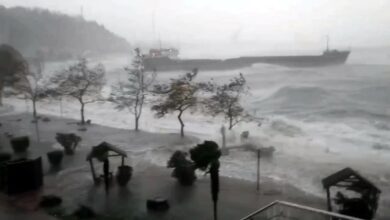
(280, 210)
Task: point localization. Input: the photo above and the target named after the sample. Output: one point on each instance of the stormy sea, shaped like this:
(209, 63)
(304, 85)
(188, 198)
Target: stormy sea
(319, 120)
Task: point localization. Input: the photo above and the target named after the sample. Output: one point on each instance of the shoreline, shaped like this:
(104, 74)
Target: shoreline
(237, 197)
(234, 170)
(149, 180)
(190, 141)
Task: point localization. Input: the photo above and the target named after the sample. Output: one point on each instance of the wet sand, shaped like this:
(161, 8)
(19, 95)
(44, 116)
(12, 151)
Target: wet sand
(74, 183)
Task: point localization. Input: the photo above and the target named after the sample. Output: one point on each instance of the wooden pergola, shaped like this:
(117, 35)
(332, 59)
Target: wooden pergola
(102, 152)
(349, 179)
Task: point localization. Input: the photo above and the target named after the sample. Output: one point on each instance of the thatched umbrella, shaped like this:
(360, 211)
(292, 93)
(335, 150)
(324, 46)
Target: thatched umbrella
(101, 153)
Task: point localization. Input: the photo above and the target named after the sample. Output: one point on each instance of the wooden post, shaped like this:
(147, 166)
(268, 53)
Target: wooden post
(92, 171)
(123, 160)
(328, 199)
(258, 170)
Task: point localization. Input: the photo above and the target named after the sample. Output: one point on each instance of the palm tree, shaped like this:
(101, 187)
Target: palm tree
(206, 158)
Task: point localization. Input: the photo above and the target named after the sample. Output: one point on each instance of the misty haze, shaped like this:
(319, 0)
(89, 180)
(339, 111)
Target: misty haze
(185, 109)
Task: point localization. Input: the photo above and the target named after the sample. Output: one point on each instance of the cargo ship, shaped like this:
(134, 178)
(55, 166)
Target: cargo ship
(167, 60)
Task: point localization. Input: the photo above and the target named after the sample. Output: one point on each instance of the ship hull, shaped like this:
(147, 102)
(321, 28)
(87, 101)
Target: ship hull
(168, 64)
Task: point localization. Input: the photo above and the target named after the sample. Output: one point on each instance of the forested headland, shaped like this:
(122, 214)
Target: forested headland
(57, 36)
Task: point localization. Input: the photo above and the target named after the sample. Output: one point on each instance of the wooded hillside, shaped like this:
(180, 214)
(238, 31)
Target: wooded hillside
(57, 35)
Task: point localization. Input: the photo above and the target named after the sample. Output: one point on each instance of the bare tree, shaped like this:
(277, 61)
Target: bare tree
(33, 85)
(226, 101)
(177, 96)
(81, 83)
(131, 95)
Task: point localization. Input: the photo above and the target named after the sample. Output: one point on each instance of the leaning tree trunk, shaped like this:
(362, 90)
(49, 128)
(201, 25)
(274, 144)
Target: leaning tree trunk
(138, 112)
(181, 124)
(137, 115)
(34, 102)
(136, 120)
(82, 113)
(230, 123)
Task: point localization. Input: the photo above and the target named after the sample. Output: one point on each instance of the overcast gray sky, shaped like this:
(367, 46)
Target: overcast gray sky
(271, 24)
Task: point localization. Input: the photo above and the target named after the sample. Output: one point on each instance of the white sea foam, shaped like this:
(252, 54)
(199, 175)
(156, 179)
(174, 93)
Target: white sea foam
(319, 120)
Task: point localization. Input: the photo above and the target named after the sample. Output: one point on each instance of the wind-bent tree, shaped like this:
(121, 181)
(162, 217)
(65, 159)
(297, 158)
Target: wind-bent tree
(177, 96)
(131, 95)
(82, 83)
(13, 68)
(226, 101)
(206, 157)
(33, 86)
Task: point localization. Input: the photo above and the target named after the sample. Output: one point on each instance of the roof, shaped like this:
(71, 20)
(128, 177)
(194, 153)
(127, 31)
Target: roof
(105, 147)
(348, 175)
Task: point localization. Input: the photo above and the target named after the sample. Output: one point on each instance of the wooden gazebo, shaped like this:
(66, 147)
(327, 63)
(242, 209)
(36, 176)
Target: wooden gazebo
(348, 179)
(101, 152)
